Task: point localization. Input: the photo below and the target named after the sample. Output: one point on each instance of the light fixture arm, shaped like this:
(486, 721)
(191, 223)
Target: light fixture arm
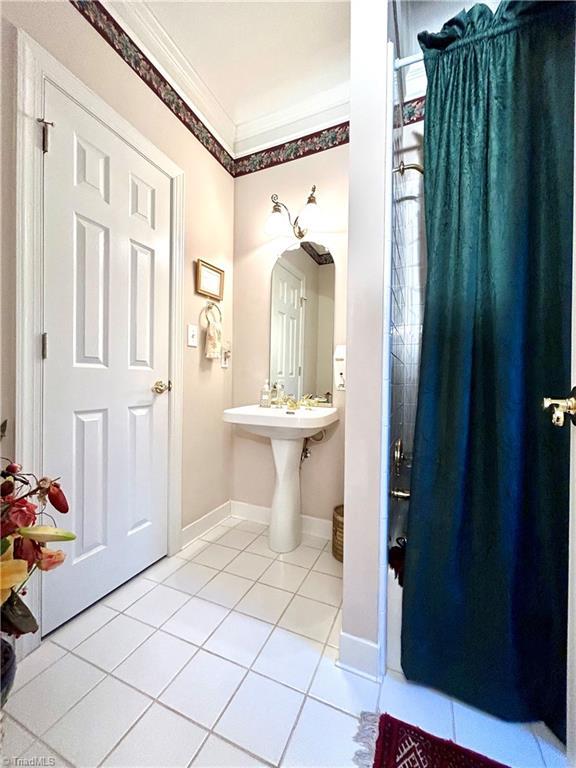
(296, 228)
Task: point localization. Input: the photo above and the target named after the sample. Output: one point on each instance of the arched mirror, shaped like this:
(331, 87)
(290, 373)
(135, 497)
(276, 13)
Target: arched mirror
(302, 321)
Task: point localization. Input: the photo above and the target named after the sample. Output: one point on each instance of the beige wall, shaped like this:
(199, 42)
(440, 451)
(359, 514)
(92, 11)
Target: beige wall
(254, 258)
(209, 211)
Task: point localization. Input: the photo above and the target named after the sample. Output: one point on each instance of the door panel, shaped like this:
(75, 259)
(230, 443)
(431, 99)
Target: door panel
(285, 344)
(106, 313)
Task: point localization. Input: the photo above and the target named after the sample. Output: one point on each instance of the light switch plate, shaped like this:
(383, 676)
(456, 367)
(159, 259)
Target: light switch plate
(192, 335)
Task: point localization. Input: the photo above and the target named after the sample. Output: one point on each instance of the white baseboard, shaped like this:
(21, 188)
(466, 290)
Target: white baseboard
(314, 526)
(360, 656)
(250, 511)
(203, 524)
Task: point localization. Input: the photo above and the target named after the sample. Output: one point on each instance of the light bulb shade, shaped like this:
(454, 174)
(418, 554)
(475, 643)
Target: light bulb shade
(310, 216)
(276, 224)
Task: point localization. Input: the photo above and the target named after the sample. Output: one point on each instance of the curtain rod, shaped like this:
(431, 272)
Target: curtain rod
(408, 60)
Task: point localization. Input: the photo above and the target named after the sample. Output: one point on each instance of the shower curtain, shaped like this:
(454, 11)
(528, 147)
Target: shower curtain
(485, 595)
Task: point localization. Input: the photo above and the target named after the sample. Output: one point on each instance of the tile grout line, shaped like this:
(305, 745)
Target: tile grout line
(158, 628)
(540, 749)
(250, 669)
(307, 692)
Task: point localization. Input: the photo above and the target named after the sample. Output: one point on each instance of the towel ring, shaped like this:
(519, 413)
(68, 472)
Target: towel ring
(210, 305)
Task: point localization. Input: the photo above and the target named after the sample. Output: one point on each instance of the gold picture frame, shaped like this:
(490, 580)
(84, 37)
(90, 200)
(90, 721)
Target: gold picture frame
(209, 280)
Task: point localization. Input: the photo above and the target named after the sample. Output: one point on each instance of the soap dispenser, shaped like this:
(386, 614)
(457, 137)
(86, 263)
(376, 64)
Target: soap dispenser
(266, 395)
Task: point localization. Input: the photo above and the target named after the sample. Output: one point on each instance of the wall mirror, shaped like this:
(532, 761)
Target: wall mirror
(302, 321)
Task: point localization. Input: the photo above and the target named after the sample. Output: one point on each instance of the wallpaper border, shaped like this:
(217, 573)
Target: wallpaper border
(319, 141)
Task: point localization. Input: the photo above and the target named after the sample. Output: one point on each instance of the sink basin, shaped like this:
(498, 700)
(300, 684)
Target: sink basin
(287, 431)
(279, 423)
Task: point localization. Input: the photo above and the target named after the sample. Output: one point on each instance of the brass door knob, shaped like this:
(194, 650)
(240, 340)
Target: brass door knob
(159, 387)
(559, 408)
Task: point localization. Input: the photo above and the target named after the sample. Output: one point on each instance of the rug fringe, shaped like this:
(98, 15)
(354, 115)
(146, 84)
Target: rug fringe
(367, 736)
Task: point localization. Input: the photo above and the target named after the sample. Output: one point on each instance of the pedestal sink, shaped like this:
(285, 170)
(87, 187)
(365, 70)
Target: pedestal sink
(286, 430)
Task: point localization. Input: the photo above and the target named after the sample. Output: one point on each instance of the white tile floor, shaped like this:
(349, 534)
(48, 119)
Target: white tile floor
(224, 657)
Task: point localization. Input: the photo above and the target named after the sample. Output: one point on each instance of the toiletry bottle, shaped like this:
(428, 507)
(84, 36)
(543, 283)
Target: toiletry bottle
(280, 394)
(265, 395)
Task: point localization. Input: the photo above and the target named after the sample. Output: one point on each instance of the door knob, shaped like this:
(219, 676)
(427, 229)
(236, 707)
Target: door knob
(159, 387)
(560, 408)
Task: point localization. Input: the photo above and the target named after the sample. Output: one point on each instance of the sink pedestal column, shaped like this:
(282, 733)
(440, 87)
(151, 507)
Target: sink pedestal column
(286, 518)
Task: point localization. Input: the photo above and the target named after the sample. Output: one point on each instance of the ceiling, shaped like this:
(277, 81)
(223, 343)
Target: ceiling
(258, 57)
(257, 65)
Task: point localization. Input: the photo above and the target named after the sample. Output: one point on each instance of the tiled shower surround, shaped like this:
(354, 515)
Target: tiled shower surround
(408, 286)
(408, 283)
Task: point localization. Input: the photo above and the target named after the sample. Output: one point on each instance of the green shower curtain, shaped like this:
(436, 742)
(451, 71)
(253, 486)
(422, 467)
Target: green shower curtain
(485, 595)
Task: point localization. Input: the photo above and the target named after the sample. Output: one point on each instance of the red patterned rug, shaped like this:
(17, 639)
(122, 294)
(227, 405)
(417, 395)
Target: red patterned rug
(391, 743)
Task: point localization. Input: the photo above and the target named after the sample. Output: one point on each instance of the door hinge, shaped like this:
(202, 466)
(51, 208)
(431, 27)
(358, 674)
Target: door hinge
(46, 125)
(44, 344)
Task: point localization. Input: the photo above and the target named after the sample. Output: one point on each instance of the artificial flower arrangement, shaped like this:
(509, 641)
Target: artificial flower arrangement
(23, 540)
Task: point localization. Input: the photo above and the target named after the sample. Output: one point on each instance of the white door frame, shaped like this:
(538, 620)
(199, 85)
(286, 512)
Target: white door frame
(36, 67)
(571, 683)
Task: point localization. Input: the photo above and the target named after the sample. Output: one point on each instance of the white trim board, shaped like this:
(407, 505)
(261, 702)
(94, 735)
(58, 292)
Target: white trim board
(35, 68)
(362, 656)
(571, 665)
(144, 29)
(194, 530)
(323, 110)
(314, 526)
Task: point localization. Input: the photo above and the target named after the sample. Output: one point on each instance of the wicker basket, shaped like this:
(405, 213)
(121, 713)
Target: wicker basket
(338, 532)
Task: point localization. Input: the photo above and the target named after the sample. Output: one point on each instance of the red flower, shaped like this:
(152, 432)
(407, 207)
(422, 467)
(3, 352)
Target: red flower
(13, 468)
(50, 558)
(7, 487)
(26, 549)
(22, 513)
(7, 527)
(56, 498)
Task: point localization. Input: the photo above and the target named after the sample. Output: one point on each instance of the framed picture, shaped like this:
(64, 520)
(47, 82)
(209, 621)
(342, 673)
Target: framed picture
(209, 280)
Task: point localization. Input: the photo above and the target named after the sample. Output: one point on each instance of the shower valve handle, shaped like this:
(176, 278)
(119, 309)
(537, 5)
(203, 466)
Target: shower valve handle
(560, 408)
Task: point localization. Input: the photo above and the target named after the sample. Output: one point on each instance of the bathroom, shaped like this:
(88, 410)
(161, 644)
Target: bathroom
(243, 595)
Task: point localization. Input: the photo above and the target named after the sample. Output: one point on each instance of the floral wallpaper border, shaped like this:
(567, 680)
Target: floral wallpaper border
(413, 110)
(293, 150)
(105, 24)
(126, 48)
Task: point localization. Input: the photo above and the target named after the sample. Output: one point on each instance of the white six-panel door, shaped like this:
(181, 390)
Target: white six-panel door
(106, 312)
(285, 343)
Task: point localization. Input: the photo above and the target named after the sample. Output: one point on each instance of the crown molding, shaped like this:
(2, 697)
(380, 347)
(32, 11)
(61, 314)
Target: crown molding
(316, 113)
(415, 81)
(142, 26)
(274, 150)
(328, 108)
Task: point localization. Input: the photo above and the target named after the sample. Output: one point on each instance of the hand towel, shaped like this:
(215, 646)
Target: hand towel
(213, 348)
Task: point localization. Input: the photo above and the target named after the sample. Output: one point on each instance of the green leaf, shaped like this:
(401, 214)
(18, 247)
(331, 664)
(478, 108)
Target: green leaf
(16, 618)
(4, 544)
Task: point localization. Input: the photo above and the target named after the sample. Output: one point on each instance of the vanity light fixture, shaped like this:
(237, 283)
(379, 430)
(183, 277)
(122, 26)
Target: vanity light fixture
(307, 218)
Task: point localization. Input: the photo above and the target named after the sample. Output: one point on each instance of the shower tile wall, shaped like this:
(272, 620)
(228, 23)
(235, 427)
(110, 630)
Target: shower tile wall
(408, 284)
